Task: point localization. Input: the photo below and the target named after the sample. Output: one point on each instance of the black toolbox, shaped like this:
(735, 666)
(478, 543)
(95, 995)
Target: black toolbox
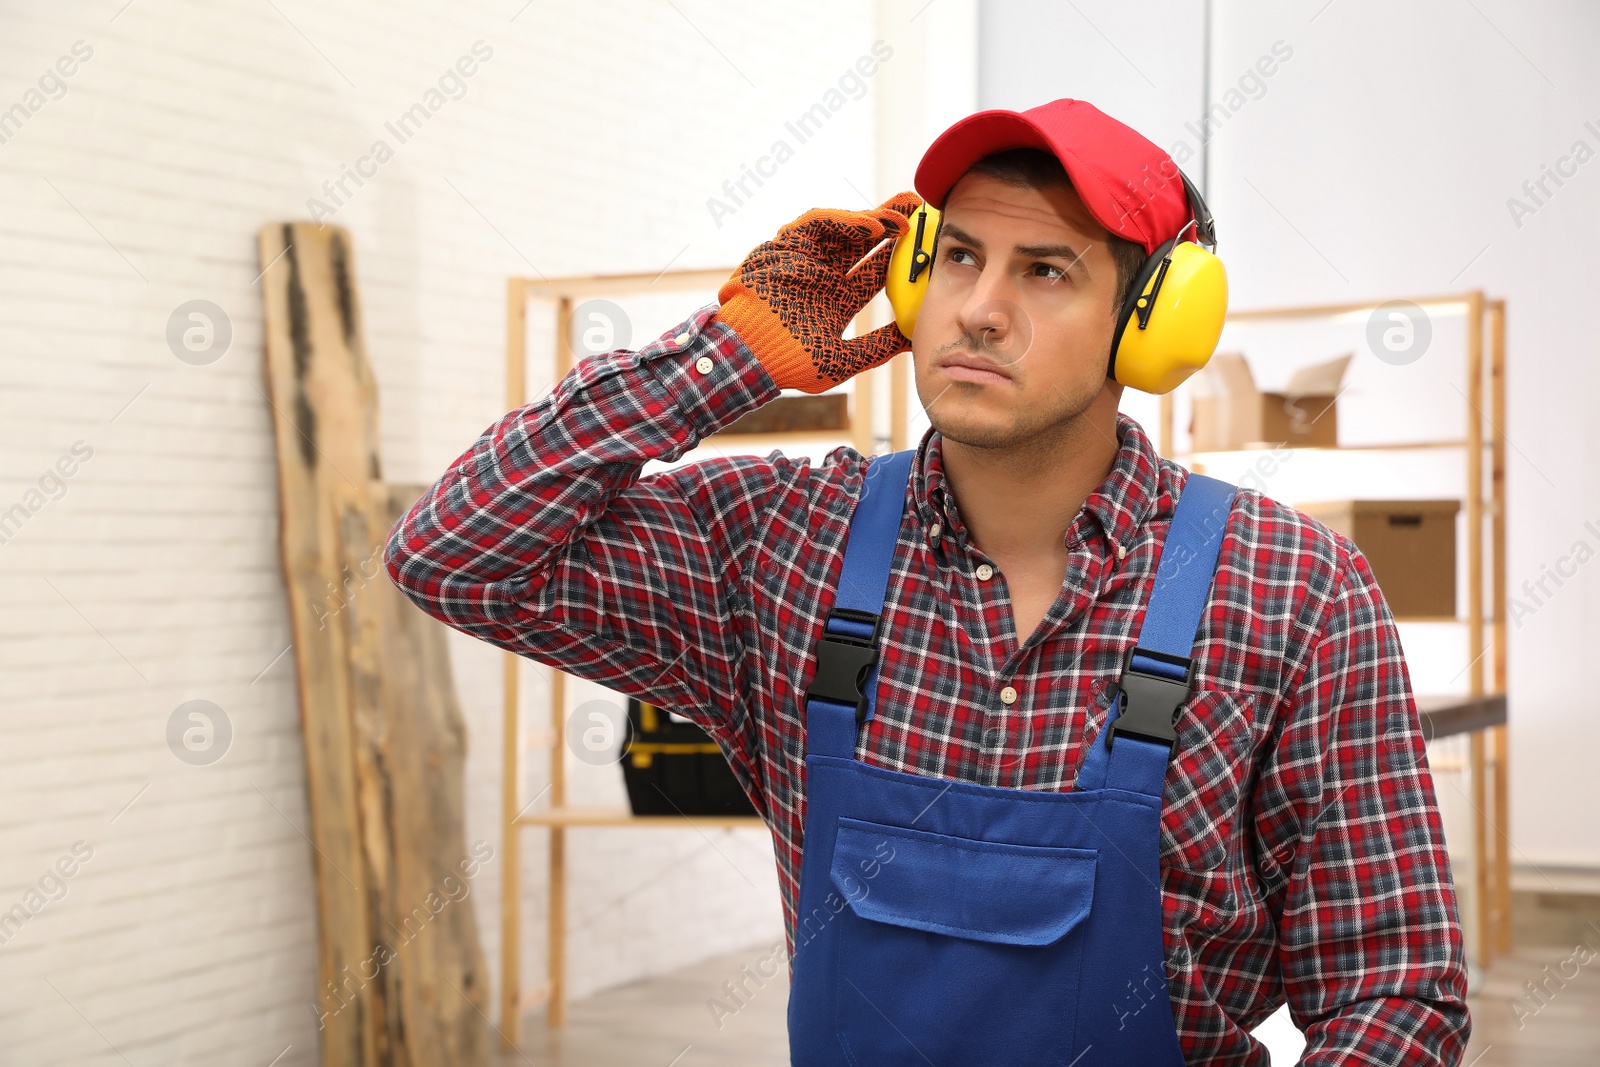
(673, 767)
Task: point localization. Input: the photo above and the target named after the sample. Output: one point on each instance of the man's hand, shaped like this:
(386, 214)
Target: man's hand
(792, 297)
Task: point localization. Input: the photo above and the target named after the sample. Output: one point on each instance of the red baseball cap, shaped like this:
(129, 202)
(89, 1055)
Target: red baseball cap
(1130, 186)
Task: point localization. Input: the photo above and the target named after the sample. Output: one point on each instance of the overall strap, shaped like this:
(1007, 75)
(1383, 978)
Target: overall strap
(842, 693)
(1140, 731)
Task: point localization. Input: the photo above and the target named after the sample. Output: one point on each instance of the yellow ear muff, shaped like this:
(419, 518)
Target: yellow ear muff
(909, 266)
(1171, 329)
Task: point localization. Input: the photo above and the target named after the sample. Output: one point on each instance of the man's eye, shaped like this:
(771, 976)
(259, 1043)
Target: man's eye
(1060, 273)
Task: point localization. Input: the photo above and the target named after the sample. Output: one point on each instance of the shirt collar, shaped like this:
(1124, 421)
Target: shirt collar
(1121, 505)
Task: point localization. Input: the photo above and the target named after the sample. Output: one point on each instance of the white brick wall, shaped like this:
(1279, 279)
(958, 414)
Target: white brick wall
(589, 142)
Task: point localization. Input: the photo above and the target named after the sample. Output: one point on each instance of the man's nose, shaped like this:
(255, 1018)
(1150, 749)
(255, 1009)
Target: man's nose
(987, 311)
(994, 320)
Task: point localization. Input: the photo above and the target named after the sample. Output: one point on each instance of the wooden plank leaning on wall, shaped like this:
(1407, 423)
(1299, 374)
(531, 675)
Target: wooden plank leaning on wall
(401, 976)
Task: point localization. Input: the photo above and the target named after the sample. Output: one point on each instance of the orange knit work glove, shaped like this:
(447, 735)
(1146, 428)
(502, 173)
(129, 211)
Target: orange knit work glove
(792, 297)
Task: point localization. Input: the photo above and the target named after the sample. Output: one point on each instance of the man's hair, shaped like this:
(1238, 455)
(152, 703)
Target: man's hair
(1037, 169)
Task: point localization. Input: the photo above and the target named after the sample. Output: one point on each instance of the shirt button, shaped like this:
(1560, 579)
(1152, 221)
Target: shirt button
(1008, 695)
(681, 339)
(985, 572)
(933, 531)
(703, 364)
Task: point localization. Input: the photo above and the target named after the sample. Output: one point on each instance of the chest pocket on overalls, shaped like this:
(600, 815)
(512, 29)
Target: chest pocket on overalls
(929, 913)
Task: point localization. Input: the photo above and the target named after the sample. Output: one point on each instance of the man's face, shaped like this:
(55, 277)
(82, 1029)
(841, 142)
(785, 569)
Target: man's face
(1042, 312)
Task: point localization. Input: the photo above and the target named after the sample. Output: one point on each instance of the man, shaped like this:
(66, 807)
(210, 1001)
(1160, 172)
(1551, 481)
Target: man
(1300, 851)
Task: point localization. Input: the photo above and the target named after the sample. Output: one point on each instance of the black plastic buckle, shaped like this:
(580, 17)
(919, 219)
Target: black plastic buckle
(843, 662)
(1150, 701)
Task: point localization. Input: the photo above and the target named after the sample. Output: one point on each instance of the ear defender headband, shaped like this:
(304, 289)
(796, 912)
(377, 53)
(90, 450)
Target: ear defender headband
(1176, 301)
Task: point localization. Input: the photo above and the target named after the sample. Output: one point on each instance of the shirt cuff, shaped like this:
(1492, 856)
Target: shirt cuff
(711, 375)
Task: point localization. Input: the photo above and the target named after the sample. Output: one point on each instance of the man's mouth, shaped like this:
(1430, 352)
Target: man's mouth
(977, 369)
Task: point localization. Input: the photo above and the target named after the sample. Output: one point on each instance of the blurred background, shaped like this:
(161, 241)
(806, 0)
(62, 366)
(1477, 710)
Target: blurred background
(1410, 186)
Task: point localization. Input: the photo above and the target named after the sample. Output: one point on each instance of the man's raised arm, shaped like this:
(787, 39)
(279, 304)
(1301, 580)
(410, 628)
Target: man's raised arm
(543, 538)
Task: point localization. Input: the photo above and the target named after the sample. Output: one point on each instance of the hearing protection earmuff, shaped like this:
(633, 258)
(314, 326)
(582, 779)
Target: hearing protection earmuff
(1178, 299)
(909, 265)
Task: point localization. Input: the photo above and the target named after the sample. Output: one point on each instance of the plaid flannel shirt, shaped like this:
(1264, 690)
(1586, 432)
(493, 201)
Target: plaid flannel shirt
(1302, 856)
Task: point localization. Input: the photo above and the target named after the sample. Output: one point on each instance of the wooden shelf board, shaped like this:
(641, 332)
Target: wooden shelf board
(1443, 716)
(1268, 446)
(1461, 301)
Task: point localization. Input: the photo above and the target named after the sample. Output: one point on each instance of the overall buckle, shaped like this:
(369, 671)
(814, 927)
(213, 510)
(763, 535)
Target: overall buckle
(843, 661)
(1150, 701)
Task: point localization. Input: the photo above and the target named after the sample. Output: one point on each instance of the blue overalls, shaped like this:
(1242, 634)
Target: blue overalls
(960, 925)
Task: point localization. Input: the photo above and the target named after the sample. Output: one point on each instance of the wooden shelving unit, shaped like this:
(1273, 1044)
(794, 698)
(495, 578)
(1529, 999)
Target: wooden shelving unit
(1481, 714)
(557, 817)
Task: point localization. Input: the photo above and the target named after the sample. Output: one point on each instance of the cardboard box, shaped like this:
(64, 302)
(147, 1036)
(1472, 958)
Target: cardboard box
(1230, 412)
(1411, 545)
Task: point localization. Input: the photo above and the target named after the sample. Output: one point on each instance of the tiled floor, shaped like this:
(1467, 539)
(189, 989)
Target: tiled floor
(669, 1021)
